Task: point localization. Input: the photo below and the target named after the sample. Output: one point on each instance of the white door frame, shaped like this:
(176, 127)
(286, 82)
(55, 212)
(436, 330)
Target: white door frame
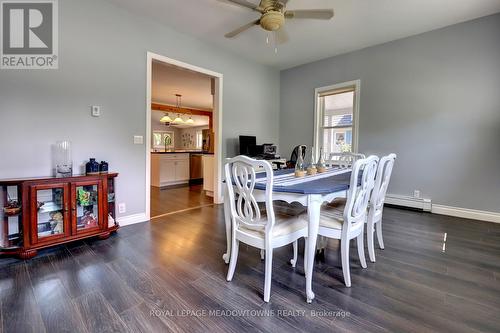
(217, 121)
(317, 121)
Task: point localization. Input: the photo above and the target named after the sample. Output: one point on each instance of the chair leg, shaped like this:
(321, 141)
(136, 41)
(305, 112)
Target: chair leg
(380, 239)
(305, 254)
(295, 253)
(268, 272)
(369, 237)
(361, 249)
(262, 254)
(235, 244)
(344, 252)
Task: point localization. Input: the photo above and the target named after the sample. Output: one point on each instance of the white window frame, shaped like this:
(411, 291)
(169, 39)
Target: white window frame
(199, 136)
(172, 133)
(318, 114)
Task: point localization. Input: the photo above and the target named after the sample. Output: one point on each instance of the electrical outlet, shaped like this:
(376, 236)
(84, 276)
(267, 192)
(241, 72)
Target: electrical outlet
(96, 110)
(416, 194)
(122, 208)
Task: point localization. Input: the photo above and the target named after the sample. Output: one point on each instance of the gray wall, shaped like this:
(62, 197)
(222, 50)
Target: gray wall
(103, 62)
(433, 99)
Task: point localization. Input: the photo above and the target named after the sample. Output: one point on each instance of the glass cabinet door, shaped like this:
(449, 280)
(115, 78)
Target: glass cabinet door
(11, 212)
(50, 205)
(87, 211)
(111, 203)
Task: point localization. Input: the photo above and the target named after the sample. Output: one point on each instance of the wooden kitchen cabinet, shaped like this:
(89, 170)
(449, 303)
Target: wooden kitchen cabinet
(169, 169)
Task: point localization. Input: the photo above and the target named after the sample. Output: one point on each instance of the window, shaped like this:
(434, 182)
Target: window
(335, 118)
(199, 139)
(162, 139)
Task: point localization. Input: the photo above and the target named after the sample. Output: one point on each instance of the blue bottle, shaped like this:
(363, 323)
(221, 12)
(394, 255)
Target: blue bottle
(103, 167)
(92, 167)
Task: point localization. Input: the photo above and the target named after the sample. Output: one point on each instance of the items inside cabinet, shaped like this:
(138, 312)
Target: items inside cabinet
(111, 203)
(50, 212)
(11, 216)
(87, 207)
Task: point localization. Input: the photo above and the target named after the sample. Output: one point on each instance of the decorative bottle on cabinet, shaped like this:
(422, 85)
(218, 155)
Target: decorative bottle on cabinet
(62, 159)
(92, 167)
(103, 167)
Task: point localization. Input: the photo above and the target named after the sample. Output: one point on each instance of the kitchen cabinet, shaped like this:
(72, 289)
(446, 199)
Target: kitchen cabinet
(182, 169)
(169, 169)
(208, 175)
(196, 167)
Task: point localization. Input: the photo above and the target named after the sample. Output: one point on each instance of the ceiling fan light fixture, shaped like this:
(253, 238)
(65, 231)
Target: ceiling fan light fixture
(273, 15)
(272, 20)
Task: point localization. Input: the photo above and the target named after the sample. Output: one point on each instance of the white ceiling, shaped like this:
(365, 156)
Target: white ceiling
(169, 80)
(357, 24)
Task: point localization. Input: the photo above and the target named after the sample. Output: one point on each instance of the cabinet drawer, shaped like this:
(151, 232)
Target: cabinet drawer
(175, 156)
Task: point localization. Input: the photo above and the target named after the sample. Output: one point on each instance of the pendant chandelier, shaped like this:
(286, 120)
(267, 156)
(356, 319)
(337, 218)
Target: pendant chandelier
(178, 100)
(177, 120)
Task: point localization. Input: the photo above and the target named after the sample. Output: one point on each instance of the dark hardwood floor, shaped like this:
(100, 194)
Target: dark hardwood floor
(168, 275)
(173, 199)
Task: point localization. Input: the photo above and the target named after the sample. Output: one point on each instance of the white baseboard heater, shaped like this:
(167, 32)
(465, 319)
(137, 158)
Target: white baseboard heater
(410, 202)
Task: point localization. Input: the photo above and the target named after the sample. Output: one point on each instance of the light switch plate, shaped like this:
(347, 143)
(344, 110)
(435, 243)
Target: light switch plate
(138, 140)
(96, 110)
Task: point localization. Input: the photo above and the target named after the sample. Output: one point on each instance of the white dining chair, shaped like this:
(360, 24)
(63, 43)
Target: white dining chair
(376, 206)
(344, 159)
(346, 222)
(263, 230)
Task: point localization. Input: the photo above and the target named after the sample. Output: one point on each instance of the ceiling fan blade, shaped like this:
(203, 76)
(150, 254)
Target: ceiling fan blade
(319, 14)
(282, 36)
(241, 29)
(244, 3)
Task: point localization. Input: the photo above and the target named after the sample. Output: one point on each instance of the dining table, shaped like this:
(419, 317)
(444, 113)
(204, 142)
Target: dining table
(311, 191)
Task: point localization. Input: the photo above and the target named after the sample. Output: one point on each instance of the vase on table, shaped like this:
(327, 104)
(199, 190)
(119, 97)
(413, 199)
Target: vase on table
(300, 170)
(321, 165)
(311, 167)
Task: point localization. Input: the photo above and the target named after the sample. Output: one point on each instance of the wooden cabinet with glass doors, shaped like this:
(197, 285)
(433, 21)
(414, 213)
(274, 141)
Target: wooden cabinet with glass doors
(40, 212)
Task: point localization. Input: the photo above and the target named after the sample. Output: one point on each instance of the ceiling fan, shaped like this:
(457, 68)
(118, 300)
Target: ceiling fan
(273, 16)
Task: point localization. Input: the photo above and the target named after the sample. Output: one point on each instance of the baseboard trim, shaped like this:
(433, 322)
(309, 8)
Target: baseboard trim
(410, 202)
(466, 213)
(132, 219)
